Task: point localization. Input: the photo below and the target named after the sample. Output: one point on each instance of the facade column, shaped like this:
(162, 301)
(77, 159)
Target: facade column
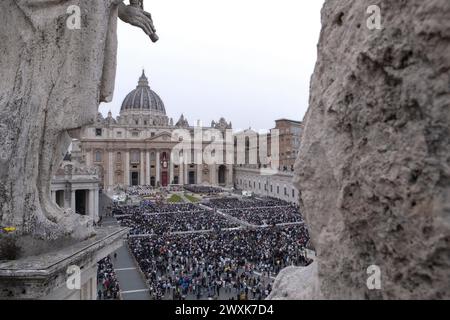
(212, 174)
(158, 173)
(126, 174)
(186, 171)
(72, 201)
(180, 171)
(142, 174)
(66, 197)
(170, 168)
(91, 203)
(96, 204)
(148, 167)
(230, 176)
(199, 174)
(53, 196)
(110, 169)
(88, 158)
(199, 165)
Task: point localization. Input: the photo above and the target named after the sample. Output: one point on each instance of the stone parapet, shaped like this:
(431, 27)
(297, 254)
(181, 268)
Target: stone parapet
(45, 276)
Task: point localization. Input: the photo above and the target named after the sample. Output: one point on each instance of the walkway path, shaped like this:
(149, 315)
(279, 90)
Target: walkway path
(132, 285)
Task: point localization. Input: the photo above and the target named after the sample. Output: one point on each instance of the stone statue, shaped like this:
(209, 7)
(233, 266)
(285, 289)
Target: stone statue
(53, 78)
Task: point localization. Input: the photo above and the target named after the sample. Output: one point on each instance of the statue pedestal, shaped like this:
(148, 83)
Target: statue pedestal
(45, 276)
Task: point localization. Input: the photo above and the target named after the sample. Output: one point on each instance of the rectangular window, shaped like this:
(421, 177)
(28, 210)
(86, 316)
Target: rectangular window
(293, 193)
(119, 134)
(98, 132)
(98, 156)
(135, 134)
(135, 156)
(278, 190)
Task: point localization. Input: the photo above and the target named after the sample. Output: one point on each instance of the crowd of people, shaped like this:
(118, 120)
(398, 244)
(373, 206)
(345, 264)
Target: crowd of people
(142, 191)
(221, 262)
(184, 221)
(207, 190)
(258, 211)
(152, 207)
(225, 204)
(234, 264)
(107, 283)
(268, 215)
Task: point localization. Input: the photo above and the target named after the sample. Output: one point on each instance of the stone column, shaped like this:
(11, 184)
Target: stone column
(110, 169)
(230, 176)
(96, 205)
(91, 203)
(54, 196)
(180, 172)
(212, 174)
(148, 167)
(126, 174)
(186, 171)
(89, 158)
(170, 168)
(142, 174)
(72, 201)
(66, 199)
(158, 173)
(199, 174)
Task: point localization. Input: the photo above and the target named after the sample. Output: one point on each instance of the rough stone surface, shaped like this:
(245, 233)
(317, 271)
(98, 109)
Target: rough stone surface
(296, 283)
(374, 163)
(52, 80)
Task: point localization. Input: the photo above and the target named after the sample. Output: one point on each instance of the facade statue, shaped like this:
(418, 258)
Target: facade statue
(182, 122)
(53, 79)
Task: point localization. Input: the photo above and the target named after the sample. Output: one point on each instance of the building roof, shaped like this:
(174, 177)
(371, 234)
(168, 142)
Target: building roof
(289, 120)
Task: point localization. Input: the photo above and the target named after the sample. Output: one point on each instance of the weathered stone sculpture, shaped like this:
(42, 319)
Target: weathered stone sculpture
(374, 163)
(52, 80)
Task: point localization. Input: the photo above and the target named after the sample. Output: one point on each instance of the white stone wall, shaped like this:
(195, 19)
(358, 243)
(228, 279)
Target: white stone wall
(253, 181)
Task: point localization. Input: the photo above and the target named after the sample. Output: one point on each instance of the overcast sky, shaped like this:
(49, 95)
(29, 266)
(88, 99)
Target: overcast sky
(249, 61)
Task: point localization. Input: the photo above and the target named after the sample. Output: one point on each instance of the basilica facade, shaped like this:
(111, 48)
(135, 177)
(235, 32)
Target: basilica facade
(136, 147)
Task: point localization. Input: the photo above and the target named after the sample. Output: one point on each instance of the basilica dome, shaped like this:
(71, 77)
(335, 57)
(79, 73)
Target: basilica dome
(143, 99)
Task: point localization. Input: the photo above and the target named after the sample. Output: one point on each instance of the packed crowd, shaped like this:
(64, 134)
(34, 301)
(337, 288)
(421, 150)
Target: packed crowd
(107, 284)
(268, 215)
(198, 220)
(225, 264)
(258, 211)
(203, 189)
(141, 190)
(225, 204)
(150, 207)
